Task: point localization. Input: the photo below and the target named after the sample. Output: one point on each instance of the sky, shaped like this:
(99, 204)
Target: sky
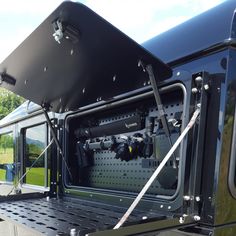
(139, 19)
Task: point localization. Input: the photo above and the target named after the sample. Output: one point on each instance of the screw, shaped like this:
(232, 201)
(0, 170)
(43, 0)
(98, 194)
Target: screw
(169, 207)
(178, 73)
(181, 220)
(45, 69)
(197, 218)
(198, 199)
(186, 198)
(198, 79)
(194, 90)
(71, 52)
(114, 78)
(161, 206)
(206, 87)
(73, 232)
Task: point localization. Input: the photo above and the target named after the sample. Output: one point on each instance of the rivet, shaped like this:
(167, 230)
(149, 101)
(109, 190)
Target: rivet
(71, 52)
(194, 90)
(144, 217)
(206, 87)
(83, 91)
(186, 198)
(161, 206)
(169, 207)
(45, 69)
(198, 199)
(73, 232)
(197, 218)
(181, 220)
(198, 79)
(114, 78)
(178, 73)
(26, 81)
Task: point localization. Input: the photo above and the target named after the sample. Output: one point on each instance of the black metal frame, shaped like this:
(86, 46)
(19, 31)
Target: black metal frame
(163, 203)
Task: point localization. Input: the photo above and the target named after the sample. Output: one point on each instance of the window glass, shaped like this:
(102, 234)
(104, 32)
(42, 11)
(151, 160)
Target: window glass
(35, 143)
(6, 157)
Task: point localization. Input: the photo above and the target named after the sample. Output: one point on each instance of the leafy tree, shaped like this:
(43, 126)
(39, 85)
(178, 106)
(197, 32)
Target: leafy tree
(8, 102)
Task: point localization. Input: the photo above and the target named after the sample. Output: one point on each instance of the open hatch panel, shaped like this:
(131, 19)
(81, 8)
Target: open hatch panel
(76, 58)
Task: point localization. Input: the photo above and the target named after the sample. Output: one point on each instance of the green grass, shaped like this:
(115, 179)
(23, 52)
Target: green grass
(35, 176)
(2, 175)
(6, 155)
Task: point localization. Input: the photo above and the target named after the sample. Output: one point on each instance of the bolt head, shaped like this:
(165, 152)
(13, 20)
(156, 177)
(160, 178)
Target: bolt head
(194, 90)
(186, 198)
(197, 218)
(181, 220)
(198, 79)
(198, 199)
(206, 87)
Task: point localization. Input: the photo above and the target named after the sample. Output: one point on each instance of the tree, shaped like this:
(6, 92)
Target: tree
(8, 102)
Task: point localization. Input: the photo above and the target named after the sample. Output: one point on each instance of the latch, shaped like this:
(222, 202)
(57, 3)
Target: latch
(64, 30)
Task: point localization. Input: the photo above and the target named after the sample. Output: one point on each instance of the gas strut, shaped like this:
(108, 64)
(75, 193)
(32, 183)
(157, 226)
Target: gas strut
(160, 107)
(158, 170)
(53, 132)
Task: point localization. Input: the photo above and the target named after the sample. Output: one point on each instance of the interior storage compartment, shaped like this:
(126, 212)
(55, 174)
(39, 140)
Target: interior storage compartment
(118, 149)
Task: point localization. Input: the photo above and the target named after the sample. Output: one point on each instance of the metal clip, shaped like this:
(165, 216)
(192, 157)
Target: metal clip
(58, 31)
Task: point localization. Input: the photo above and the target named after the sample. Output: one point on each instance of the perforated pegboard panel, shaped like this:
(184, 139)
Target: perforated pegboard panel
(110, 173)
(50, 217)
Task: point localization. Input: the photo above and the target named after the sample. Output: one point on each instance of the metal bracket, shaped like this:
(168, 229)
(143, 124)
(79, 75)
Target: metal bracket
(58, 31)
(4, 77)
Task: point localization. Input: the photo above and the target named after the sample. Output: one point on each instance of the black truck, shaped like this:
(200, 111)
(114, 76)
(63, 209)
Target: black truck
(126, 139)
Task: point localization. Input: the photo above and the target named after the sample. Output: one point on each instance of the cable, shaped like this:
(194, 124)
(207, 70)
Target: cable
(18, 182)
(158, 170)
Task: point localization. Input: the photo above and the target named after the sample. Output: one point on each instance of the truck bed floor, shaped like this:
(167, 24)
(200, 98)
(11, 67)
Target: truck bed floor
(53, 216)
